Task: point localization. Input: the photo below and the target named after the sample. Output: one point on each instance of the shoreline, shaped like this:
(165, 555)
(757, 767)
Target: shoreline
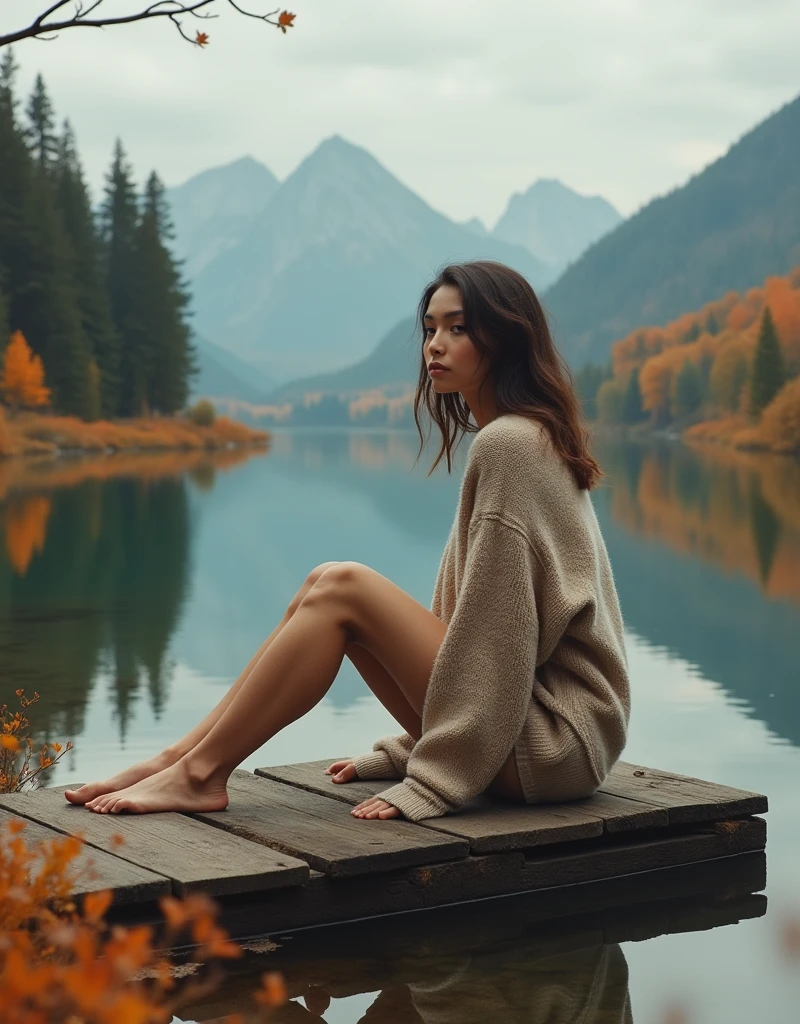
(31, 436)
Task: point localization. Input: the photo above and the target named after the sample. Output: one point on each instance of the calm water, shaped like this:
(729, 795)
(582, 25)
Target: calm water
(132, 594)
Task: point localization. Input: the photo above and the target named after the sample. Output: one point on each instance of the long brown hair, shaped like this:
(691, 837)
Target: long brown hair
(508, 326)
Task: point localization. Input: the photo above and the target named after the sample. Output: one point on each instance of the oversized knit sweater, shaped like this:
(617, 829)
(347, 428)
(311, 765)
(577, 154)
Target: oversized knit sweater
(533, 657)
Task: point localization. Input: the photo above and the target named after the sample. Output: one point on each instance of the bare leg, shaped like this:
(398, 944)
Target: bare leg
(175, 751)
(349, 603)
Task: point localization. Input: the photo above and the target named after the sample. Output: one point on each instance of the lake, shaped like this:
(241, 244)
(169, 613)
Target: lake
(133, 590)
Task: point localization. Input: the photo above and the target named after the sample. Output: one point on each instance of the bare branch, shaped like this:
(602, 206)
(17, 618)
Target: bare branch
(42, 28)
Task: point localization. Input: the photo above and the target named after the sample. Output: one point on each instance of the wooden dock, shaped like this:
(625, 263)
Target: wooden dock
(287, 854)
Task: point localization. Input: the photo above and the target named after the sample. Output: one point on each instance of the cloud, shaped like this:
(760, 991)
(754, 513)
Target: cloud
(465, 102)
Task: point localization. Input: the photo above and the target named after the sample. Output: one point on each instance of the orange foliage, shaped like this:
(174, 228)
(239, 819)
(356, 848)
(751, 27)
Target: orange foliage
(17, 753)
(22, 379)
(63, 962)
(705, 336)
(33, 434)
(21, 475)
(735, 314)
(26, 526)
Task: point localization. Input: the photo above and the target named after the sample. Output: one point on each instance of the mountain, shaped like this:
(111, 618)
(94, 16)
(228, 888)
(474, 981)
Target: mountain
(555, 223)
(476, 225)
(224, 375)
(337, 257)
(211, 211)
(728, 228)
(393, 364)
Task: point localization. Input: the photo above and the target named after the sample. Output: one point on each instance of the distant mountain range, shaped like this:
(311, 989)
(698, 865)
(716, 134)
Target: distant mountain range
(309, 270)
(555, 223)
(224, 375)
(727, 229)
(337, 256)
(214, 209)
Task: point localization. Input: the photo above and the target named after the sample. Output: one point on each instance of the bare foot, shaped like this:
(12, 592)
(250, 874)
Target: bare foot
(172, 789)
(129, 777)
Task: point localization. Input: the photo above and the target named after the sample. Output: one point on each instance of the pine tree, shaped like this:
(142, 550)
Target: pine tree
(768, 373)
(632, 411)
(166, 333)
(120, 222)
(687, 390)
(40, 133)
(72, 199)
(35, 261)
(3, 315)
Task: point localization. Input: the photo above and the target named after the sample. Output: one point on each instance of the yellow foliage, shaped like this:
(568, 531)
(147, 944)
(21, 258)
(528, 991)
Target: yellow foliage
(780, 422)
(22, 379)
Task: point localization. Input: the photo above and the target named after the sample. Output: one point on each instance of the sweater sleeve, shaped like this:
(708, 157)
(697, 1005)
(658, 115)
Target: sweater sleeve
(482, 679)
(387, 760)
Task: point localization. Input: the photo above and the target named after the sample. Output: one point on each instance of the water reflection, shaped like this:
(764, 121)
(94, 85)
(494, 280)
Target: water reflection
(94, 575)
(110, 567)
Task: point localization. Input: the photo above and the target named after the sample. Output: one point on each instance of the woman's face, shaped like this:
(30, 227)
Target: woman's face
(447, 342)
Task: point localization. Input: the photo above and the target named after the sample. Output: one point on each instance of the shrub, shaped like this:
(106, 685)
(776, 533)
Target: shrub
(202, 413)
(61, 962)
(17, 749)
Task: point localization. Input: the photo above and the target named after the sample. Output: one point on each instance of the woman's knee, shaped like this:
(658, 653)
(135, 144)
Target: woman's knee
(313, 577)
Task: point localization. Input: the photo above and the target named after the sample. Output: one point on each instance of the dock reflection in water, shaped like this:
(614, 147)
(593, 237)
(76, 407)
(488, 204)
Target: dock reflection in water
(541, 958)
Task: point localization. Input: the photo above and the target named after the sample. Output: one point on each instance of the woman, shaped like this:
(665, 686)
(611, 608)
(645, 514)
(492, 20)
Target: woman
(515, 680)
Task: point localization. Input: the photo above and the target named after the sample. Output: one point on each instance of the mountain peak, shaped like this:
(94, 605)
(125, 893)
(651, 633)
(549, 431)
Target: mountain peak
(555, 222)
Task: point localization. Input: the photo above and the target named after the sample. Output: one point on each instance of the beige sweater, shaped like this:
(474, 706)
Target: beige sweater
(533, 658)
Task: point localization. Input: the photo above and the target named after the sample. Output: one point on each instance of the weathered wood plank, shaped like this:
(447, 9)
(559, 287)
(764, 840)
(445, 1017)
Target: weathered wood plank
(311, 775)
(96, 870)
(325, 900)
(492, 827)
(686, 799)
(191, 854)
(323, 833)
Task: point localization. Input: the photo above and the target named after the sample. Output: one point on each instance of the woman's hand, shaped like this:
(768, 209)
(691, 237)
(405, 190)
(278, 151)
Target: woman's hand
(342, 771)
(375, 808)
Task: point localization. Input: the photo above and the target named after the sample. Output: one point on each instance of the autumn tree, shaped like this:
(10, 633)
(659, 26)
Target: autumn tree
(728, 377)
(64, 14)
(768, 373)
(22, 380)
(610, 397)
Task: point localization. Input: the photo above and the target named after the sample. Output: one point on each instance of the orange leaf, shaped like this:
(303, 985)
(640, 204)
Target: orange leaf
(95, 904)
(286, 20)
(202, 39)
(9, 742)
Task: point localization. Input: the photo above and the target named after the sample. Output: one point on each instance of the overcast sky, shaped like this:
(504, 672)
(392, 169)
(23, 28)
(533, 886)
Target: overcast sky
(465, 102)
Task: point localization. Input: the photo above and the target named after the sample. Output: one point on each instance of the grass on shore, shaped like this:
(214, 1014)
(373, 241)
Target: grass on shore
(33, 434)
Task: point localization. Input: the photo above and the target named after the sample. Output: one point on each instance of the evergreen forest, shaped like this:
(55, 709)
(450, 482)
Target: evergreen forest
(96, 293)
